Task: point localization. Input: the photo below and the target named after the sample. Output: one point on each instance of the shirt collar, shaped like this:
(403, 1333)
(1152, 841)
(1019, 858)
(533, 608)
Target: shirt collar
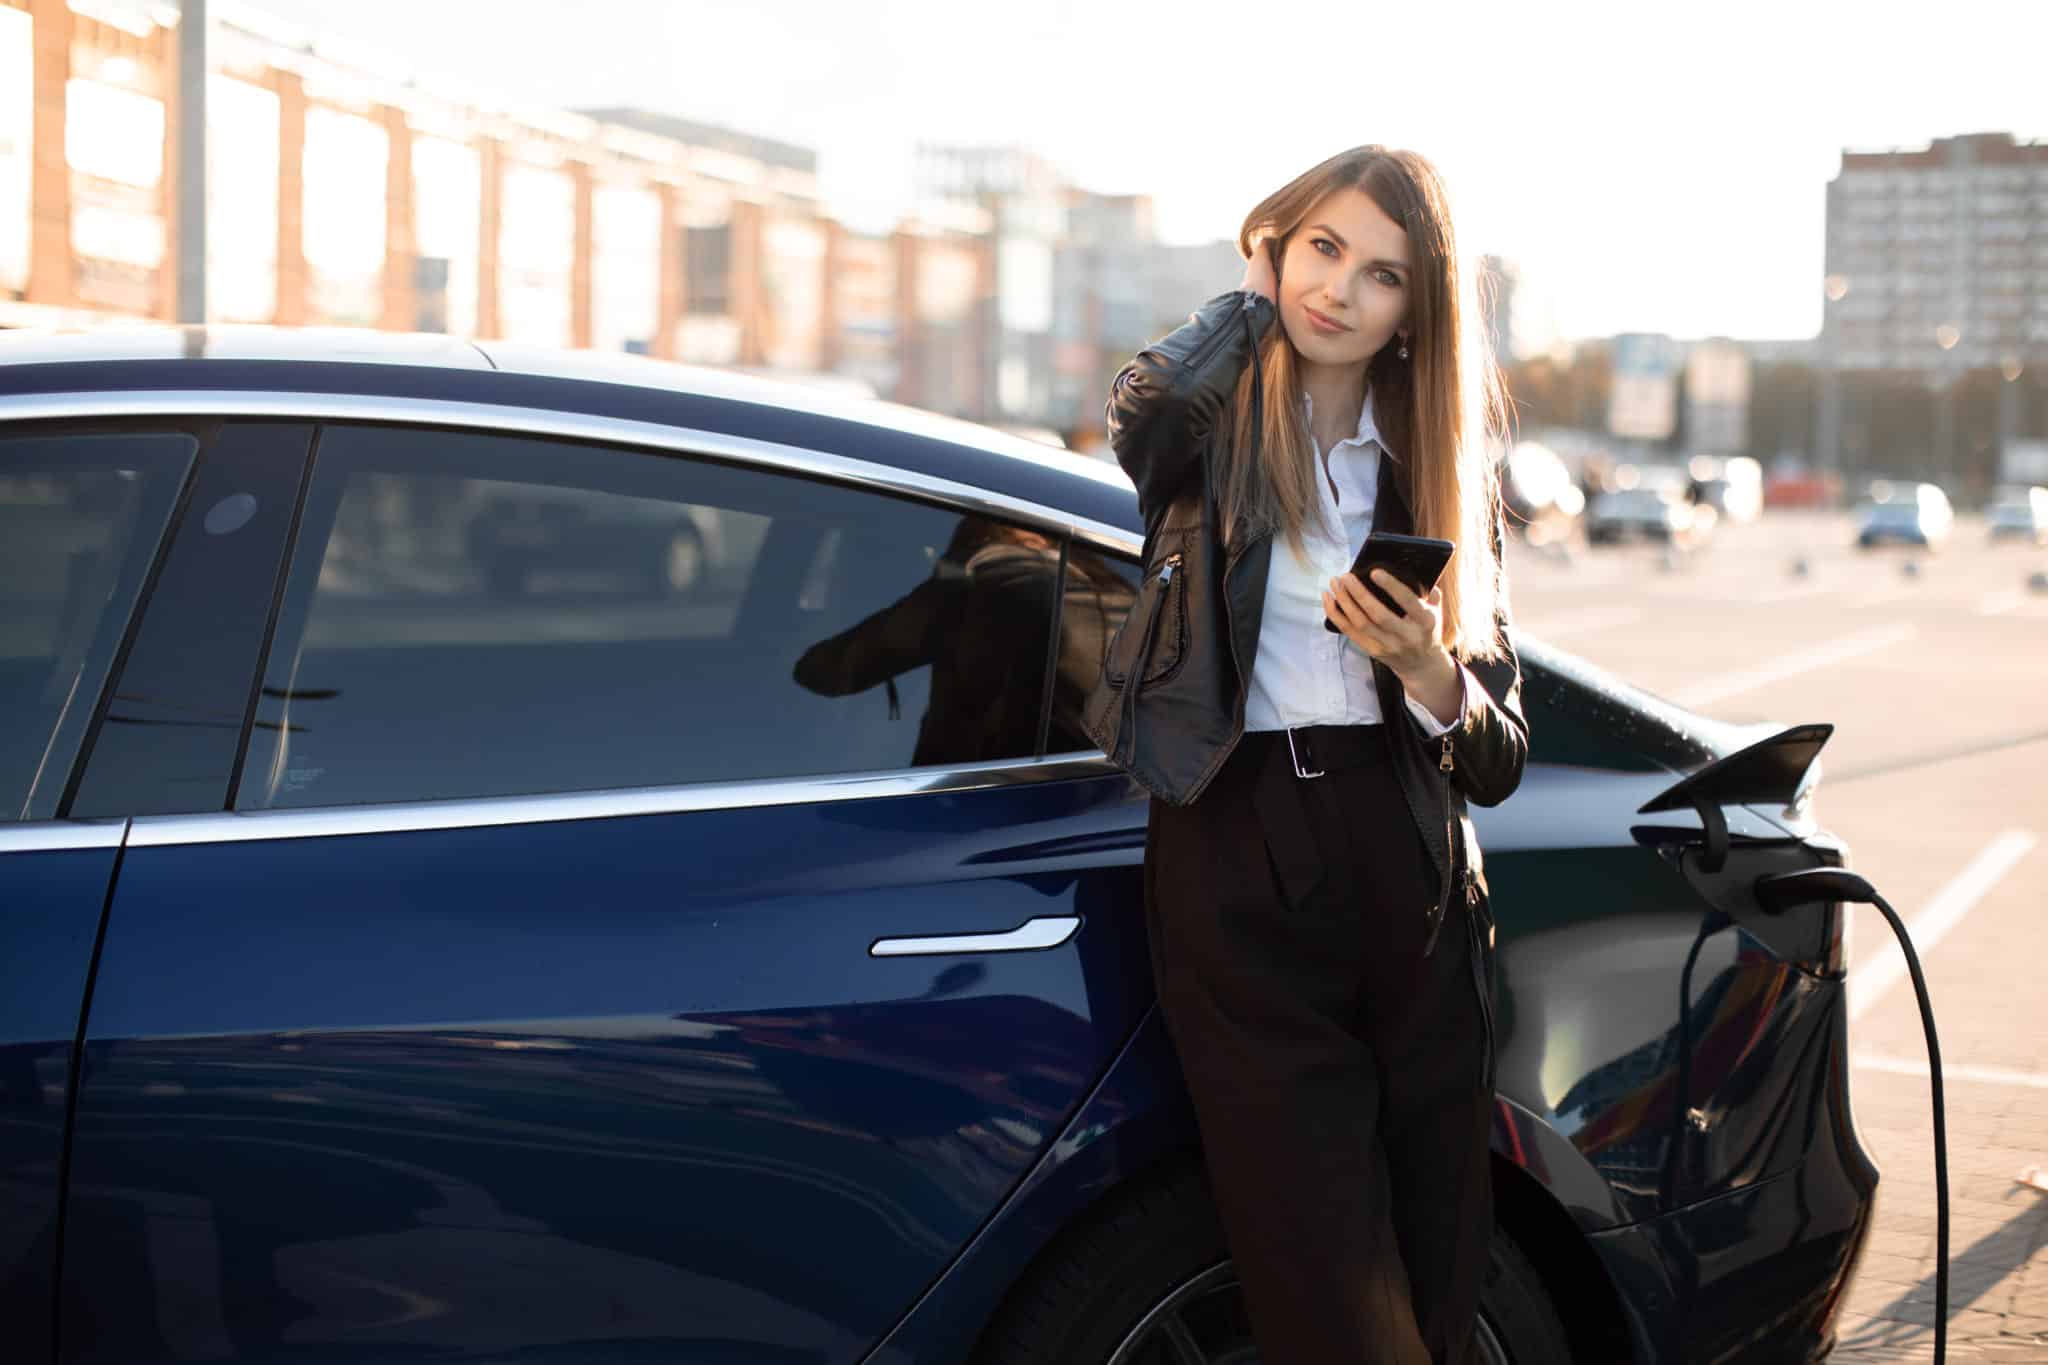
(1368, 428)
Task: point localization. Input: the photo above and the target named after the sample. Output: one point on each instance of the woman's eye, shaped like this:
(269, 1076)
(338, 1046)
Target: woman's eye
(1320, 242)
(1389, 279)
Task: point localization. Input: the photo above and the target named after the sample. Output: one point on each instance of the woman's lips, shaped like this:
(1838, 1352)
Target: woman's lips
(1322, 323)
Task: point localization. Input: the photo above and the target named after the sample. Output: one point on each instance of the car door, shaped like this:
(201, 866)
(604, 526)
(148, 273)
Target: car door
(83, 512)
(584, 970)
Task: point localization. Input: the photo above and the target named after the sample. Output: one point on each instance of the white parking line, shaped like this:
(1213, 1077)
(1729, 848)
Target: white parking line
(1795, 592)
(1704, 589)
(1789, 665)
(1870, 984)
(1582, 622)
(1915, 1066)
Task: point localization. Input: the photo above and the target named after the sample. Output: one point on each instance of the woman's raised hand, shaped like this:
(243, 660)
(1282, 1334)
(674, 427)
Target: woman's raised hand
(1259, 276)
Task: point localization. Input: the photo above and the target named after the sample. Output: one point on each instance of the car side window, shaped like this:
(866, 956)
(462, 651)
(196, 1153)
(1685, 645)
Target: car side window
(1095, 596)
(473, 615)
(82, 517)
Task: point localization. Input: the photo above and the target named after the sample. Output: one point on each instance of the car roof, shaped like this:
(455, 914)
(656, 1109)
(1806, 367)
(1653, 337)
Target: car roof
(282, 359)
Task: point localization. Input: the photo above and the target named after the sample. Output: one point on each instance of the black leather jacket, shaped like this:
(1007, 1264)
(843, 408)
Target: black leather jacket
(1197, 613)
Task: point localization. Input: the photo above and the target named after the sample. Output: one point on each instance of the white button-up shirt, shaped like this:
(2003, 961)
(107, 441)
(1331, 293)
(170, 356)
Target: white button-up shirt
(1304, 674)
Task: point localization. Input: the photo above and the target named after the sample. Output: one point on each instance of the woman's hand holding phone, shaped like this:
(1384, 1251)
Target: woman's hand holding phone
(1410, 643)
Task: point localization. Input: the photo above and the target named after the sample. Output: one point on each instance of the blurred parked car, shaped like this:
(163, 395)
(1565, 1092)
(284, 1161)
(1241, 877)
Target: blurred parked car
(397, 972)
(1733, 486)
(1658, 514)
(1802, 488)
(2021, 514)
(1542, 501)
(1905, 514)
(516, 531)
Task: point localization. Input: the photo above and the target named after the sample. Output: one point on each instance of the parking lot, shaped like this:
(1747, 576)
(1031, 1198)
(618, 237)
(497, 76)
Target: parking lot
(1937, 776)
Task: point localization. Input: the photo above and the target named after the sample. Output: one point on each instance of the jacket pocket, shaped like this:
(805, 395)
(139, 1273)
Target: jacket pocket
(1159, 617)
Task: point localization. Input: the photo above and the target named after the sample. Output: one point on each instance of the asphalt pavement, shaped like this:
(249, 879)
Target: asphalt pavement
(1933, 667)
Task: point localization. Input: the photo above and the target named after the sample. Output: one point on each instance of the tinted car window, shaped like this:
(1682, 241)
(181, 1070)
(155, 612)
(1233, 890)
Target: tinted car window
(177, 712)
(473, 615)
(81, 518)
(1096, 594)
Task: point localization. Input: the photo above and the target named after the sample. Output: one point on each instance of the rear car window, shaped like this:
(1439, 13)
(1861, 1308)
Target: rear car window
(82, 517)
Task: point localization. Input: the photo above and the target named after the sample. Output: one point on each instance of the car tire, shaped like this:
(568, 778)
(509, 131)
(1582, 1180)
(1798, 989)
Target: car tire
(1103, 1293)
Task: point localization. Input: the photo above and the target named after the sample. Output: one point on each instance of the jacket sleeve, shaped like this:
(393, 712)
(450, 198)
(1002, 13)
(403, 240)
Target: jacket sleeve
(901, 636)
(1490, 745)
(1163, 405)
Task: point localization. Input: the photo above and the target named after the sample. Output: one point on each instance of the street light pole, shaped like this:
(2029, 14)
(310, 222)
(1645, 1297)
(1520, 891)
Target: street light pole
(192, 161)
(1827, 451)
(2009, 371)
(1945, 336)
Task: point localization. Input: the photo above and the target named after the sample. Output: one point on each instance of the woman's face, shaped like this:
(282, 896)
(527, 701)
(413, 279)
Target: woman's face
(1347, 264)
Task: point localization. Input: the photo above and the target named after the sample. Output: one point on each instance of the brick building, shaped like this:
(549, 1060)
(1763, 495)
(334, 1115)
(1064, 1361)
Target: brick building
(340, 194)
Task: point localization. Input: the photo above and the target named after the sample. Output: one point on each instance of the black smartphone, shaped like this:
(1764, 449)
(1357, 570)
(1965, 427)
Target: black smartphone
(1417, 561)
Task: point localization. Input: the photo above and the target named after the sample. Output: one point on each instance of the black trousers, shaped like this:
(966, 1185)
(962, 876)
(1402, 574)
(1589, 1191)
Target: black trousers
(1338, 1074)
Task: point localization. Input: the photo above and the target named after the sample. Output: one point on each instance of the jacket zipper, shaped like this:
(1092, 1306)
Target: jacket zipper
(1164, 578)
(1444, 766)
(1430, 915)
(1481, 980)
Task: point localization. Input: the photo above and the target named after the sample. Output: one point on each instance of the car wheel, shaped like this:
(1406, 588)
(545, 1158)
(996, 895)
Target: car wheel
(1149, 1278)
(682, 561)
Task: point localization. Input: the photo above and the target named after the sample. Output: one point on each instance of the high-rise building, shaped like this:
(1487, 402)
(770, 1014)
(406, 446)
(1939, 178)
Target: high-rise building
(1102, 304)
(1936, 308)
(1937, 259)
(1025, 199)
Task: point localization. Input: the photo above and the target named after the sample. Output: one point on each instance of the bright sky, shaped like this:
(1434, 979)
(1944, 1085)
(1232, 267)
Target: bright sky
(1652, 167)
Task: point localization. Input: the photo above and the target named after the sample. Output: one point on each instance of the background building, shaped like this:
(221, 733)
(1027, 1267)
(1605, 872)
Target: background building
(1024, 198)
(1935, 329)
(341, 192)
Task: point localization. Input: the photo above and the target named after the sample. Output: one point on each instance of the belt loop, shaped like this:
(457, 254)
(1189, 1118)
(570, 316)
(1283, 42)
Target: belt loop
(1299, 769)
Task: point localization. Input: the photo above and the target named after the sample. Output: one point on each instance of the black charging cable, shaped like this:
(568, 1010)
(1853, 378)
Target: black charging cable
(1787, 890)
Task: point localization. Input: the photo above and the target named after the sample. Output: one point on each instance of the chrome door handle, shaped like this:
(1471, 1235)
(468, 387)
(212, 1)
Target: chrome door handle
(1043, 931)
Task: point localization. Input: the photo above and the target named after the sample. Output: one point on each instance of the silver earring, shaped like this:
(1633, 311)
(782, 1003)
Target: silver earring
(1404, 348)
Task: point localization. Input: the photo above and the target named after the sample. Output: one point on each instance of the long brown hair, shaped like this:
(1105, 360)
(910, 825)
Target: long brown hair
(1442, 411)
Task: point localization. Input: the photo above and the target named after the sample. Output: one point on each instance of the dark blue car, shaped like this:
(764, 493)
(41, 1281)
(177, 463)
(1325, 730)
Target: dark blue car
(410, 960)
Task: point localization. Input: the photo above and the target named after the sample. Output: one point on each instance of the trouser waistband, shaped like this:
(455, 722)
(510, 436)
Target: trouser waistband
(1313, 750)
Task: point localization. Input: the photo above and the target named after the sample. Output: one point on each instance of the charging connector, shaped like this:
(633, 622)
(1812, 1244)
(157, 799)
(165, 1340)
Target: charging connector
(1784, 891)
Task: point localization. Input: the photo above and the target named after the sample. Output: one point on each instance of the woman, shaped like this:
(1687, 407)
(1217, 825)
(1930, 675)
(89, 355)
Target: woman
(1314, 894)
